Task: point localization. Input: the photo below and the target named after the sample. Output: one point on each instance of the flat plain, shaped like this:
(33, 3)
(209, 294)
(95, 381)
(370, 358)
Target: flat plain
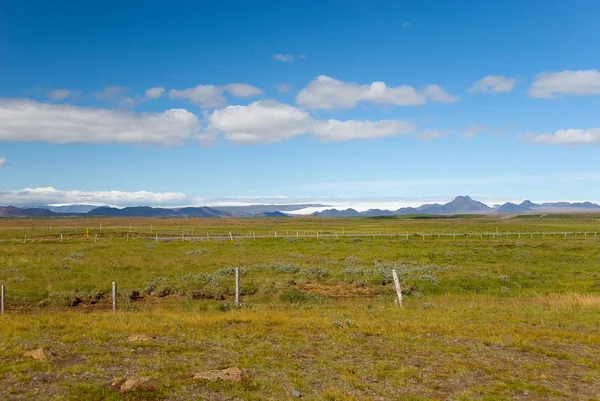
(494, 308)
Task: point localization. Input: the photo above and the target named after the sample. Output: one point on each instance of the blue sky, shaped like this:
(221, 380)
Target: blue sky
(182, 103)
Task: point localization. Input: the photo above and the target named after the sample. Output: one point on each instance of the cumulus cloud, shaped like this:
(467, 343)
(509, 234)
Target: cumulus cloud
(329, 93)
(27, 120)
(49, 195)
(269, 121)
(155, 93)
(209, 96)
(261, 122)
(3, 162)
(62, 94)
(571, 136)
(579, 83)
(493, 84)
(288, 58)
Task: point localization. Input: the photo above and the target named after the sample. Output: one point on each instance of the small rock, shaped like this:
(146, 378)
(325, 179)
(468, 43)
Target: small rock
(138, 338)
(296, 393)
(128, 384)
(229, 374)
(39, 354)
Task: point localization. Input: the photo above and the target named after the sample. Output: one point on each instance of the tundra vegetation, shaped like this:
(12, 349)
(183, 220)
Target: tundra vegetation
(483, 318)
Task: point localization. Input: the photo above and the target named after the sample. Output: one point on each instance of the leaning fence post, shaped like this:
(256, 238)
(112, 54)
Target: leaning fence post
(230, 236)
(237, 285)
(114, 296)
(2, 296)
(398, 289)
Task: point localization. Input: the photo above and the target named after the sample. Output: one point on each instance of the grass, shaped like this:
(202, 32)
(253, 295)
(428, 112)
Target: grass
(483, 318)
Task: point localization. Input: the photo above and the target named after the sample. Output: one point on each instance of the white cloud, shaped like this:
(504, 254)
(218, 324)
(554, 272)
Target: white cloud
(334, 130)
(62, 94)
(26, 120)
(288, 58)
(111, 92)
(573, 137)
(209, 96)
(156, 92)
(329, 93)
(269, 121)
(261, 122)
(49, 195)
(242, 90)
(430, 134)
(475, 129)
(437, 94)
(3, 162)
(547, 85)
(283, 88)
(493, 84)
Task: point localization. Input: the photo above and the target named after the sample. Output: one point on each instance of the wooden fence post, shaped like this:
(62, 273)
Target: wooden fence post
(114, 296)
(2, 299)
(398, 288)
(237, 285)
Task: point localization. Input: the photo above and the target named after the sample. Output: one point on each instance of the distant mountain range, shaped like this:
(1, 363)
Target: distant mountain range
(460, 205)
(466, 205)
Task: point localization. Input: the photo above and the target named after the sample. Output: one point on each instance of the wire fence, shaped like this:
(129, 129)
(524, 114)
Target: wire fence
(170, 236)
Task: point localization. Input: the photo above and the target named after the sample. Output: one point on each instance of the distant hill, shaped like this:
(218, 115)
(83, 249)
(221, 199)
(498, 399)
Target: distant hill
(510, 208)
(12, 211)
(337, 213)
(272, 214)
(137, 211)
(75, 208)
(147, 211)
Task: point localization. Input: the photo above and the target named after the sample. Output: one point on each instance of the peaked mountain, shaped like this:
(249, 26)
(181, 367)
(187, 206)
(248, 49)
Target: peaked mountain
(510, 208)
(460, 205)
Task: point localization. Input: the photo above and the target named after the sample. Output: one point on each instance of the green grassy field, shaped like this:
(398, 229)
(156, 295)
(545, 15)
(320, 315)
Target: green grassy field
(484, 317)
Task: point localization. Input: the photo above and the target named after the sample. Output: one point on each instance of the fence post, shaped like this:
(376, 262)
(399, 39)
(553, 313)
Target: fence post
(127, 236)
(182, 237)
(237, 285)
(61, 238)
(398, 289)
(95, 238)
(25, 240)
(231, 238)
(114, 296)
(2, 298)
(156, 237)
